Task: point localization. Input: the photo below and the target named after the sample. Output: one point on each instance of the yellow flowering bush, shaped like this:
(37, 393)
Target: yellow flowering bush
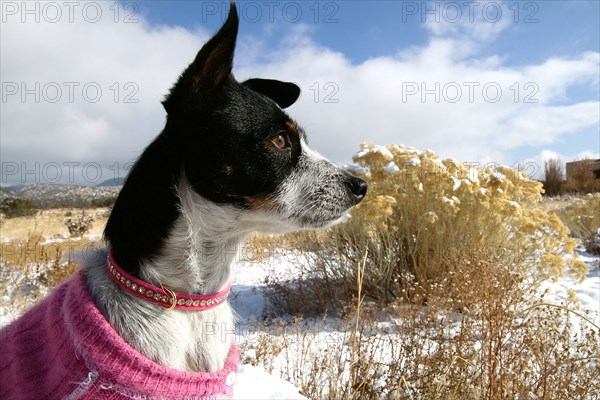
(582, 217)
(424, 214)
(471, 243)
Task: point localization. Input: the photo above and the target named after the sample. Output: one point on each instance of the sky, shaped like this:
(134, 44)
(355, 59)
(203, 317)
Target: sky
(484, 82)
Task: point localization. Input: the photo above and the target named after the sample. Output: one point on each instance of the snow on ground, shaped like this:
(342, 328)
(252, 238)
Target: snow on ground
(255, 383)
(247, 298)
(248, 301)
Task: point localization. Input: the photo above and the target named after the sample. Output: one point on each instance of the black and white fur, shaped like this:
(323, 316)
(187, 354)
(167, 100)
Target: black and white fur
(229, 162)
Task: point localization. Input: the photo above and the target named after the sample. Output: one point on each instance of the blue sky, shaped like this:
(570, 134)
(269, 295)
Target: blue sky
(419, 73)
(365, 29)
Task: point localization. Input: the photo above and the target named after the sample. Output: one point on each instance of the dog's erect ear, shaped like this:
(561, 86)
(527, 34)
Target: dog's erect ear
(214, 61)
(212, 65)
(283, 93)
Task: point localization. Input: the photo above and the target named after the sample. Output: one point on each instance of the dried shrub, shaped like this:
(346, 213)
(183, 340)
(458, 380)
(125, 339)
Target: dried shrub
(553, 177)
(435, 285)
(79, 226)
(433, 207)
(421, 214)
(582, 217)
(13, 207)
(491, 337)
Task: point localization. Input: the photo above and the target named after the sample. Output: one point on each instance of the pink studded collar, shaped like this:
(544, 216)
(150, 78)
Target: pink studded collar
(163, 296)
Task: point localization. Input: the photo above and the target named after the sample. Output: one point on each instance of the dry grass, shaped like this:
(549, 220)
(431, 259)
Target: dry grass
(30, 269)
(582, 217)
(36, 256)
(550, 204)
(50, 224)
(483, 334)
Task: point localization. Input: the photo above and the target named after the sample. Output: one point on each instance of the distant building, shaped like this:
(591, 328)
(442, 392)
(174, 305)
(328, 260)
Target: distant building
(576, 168)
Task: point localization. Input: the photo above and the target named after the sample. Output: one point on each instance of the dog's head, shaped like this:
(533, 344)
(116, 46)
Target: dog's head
(241, 149)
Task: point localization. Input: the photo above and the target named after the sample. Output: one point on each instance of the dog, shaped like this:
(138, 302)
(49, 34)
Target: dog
(148, 318)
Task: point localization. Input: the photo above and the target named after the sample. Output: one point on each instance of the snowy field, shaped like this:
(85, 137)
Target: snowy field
(249, 302)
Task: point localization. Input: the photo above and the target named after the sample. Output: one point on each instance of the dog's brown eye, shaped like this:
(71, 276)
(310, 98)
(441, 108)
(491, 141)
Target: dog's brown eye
(280, 141)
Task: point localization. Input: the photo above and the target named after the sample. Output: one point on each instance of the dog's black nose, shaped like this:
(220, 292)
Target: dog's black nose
(358, 187)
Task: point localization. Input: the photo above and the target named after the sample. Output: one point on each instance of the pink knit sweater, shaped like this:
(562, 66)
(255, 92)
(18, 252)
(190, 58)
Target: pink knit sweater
(64, 348)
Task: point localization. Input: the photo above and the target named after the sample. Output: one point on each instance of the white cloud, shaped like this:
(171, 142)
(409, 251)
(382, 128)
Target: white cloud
(85, 91)
(484, 20)
(559, 74)
(474, 110)
(440, 96)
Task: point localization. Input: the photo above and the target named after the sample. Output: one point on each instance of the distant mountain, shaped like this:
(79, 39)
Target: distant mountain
(112, 182)
(44, 195)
